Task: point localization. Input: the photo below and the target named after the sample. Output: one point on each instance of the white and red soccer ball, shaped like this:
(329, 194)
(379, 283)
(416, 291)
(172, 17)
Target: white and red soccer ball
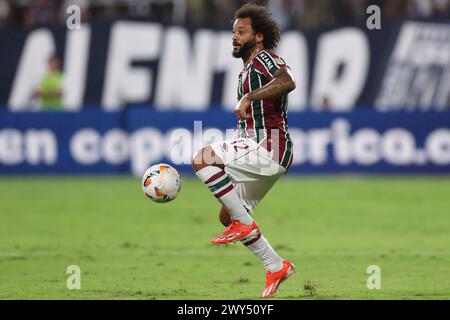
(161, 183)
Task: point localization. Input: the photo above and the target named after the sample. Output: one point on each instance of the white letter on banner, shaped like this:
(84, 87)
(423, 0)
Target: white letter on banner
(319, 139)
(75, 67)
(399, 146)
(11, 147)
(41, 147)
(294, 50)
(115, 148)
(124, 83)
(37, 50)
(366, 146)
(85, 146)
(341, 69)
(341, 141)
(438, 146)
(179, 147)
(185, 74)
(300, 141)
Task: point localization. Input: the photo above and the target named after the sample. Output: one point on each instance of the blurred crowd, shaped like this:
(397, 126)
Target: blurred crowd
(217, 13)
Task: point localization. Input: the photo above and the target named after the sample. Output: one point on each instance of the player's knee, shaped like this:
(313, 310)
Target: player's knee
(206, 157)
(197, 160)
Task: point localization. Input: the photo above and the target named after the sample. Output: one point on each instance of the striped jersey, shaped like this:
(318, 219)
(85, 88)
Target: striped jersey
(266, 120)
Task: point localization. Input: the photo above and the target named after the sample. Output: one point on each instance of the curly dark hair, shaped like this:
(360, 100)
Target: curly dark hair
(262, 23)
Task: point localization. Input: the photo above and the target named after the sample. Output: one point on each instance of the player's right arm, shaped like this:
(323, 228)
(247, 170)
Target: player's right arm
(281, 84)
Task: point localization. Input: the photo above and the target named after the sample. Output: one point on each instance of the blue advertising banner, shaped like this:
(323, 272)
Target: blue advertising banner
(97, 142)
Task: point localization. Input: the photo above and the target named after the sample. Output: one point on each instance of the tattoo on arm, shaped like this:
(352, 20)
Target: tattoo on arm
(282, 84)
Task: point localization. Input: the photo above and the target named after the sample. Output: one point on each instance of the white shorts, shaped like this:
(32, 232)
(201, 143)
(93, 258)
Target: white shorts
(250, 167)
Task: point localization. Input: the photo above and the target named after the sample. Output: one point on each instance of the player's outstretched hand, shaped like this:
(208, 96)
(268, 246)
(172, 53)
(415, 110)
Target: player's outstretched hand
(242, 106)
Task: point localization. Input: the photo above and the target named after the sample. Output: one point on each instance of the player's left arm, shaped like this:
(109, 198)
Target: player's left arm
(282, 83)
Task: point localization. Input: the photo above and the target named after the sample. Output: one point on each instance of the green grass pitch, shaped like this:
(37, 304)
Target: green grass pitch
(332, 228)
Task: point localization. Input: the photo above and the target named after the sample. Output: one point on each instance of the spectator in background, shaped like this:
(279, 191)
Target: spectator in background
(225, 10)
(281, 12)
(432, 8)
(347, 12)
(313, 13)
(325, 104)
(392, 10)
(50, 91)
(196, 14)
(4, 12)
(138, 8)
(41, 13)
(213, 13)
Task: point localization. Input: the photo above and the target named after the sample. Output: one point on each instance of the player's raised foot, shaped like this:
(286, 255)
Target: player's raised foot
(275, 279)
(237, 231)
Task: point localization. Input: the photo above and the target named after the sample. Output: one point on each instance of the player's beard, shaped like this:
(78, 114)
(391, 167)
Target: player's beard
(245, 49)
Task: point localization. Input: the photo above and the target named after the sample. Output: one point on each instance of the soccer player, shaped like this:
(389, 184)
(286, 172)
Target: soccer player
(240, 172)
(50, 89)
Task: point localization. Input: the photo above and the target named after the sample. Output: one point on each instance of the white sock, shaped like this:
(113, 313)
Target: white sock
(219, 183)
(262, 249)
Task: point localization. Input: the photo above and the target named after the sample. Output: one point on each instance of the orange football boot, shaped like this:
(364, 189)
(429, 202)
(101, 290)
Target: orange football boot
(274, 279)
(237, 231)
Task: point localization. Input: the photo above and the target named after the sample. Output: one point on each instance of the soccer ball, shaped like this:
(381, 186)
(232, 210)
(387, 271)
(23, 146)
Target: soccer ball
(161, 183)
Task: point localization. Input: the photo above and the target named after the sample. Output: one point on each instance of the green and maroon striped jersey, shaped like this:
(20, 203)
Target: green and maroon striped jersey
(266, 120)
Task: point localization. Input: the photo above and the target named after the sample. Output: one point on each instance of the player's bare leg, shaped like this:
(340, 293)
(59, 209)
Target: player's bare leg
(259, 246)
(210, 169)
(278, 269)
(224, 217)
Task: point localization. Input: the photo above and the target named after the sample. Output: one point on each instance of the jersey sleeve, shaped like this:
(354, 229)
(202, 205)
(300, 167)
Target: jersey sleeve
(268, 64)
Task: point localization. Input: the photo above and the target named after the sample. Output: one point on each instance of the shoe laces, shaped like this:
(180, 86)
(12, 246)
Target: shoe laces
(233, 224)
